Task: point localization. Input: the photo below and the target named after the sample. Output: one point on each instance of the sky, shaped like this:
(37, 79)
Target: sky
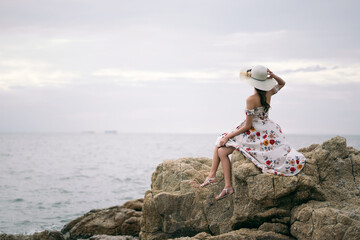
(172, 66)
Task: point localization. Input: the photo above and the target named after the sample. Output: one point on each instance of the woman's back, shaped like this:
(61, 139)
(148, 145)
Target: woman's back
(254, 101)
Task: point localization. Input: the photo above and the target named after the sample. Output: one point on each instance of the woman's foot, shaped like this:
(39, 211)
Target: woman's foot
(209, 181)
(224, 193)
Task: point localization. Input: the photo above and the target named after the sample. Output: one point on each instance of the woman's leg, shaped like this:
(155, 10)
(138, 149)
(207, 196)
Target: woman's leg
(215, 163)
(223, 154)
(214, 166)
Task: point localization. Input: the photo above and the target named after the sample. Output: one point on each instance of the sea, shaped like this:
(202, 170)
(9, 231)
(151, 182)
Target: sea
(49, 179)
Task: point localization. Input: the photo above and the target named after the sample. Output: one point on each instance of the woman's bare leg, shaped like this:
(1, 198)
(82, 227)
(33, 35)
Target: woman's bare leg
(215, 163)
(223, 154)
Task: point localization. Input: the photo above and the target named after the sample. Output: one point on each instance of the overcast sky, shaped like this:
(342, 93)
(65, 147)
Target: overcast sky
(172, 66)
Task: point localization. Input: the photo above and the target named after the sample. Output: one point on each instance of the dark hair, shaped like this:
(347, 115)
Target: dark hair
(263, 99)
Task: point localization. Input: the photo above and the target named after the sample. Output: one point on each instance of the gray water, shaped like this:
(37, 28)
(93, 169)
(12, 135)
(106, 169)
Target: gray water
(50, 179)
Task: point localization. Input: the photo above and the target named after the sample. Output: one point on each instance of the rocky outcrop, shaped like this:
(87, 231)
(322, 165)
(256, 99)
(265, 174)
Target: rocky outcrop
(55, 235)
(322, 202)
(45, 235)
(114, 223)
(118, 220)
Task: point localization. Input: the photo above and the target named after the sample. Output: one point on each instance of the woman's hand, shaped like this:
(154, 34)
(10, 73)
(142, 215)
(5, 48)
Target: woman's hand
(223, 141)
(280, 81)
(270, 74)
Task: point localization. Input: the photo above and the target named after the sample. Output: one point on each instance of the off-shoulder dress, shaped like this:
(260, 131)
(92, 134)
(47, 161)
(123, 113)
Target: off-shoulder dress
(266, 146)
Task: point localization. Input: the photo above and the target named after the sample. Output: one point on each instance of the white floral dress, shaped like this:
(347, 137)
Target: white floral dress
(265, 145)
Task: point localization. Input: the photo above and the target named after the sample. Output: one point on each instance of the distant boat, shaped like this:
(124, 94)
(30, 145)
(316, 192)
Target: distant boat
(110, 131)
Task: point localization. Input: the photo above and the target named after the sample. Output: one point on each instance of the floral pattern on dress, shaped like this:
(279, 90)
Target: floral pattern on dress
(266, 146)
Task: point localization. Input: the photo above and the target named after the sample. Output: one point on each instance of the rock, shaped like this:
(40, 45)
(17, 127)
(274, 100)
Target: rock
(322, 202)
(275, 227)
(118, 220)
(242, 234)
(45, 235)
(107, 237)
(309, 148)
(134, 204)
(318, 220)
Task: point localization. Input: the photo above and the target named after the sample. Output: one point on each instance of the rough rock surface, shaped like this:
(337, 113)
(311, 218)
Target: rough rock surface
(107, 237)
(45, 235)
(322, 202)
(241, 234)
(118, 220)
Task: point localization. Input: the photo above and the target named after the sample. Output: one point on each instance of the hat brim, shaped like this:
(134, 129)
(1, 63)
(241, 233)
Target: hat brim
(265, 85)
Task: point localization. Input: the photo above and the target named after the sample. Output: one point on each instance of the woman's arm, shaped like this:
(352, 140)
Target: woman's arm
(280, 81)
(244, 128)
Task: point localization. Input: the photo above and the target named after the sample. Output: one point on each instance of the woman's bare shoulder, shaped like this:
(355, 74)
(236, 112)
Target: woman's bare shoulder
(251, 101)
(253, 98)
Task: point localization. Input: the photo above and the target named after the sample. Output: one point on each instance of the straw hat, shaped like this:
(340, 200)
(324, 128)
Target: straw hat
(258, 77)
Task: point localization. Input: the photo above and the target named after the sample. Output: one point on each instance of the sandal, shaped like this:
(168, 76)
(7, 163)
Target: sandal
(226, 193)
(209, 181)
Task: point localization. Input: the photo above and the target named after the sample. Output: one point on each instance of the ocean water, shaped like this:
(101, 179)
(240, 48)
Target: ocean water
(49, 179)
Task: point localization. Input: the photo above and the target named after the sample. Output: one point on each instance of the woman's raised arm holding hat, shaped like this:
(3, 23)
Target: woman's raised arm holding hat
(279, 80)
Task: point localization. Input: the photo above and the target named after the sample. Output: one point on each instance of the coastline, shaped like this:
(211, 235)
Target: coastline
(312, 186)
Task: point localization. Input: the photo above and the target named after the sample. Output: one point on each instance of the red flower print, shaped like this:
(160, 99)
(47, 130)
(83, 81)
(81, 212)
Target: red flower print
(297, 161)
(280, 130)
(258, 134)
(272, 141)
(248, 149)
(275, 173)
(248, 132)
(265, 136)
(292, 169)
(268, 162)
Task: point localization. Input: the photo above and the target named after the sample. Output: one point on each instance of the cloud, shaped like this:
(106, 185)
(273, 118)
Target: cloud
(316, 72)
(314, 68)
(250, 38)
(21, 73)
(119, 75)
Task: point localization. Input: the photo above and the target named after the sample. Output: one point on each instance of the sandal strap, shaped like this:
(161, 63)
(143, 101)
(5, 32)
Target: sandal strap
(207, 181)
(226, 191)
(220, 196)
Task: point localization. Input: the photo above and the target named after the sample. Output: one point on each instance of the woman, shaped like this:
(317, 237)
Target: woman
(258, 138)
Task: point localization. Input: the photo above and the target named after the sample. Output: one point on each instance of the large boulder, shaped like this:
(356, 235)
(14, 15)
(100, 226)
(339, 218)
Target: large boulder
(267, 204)
(325, 220)
(117, 220)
